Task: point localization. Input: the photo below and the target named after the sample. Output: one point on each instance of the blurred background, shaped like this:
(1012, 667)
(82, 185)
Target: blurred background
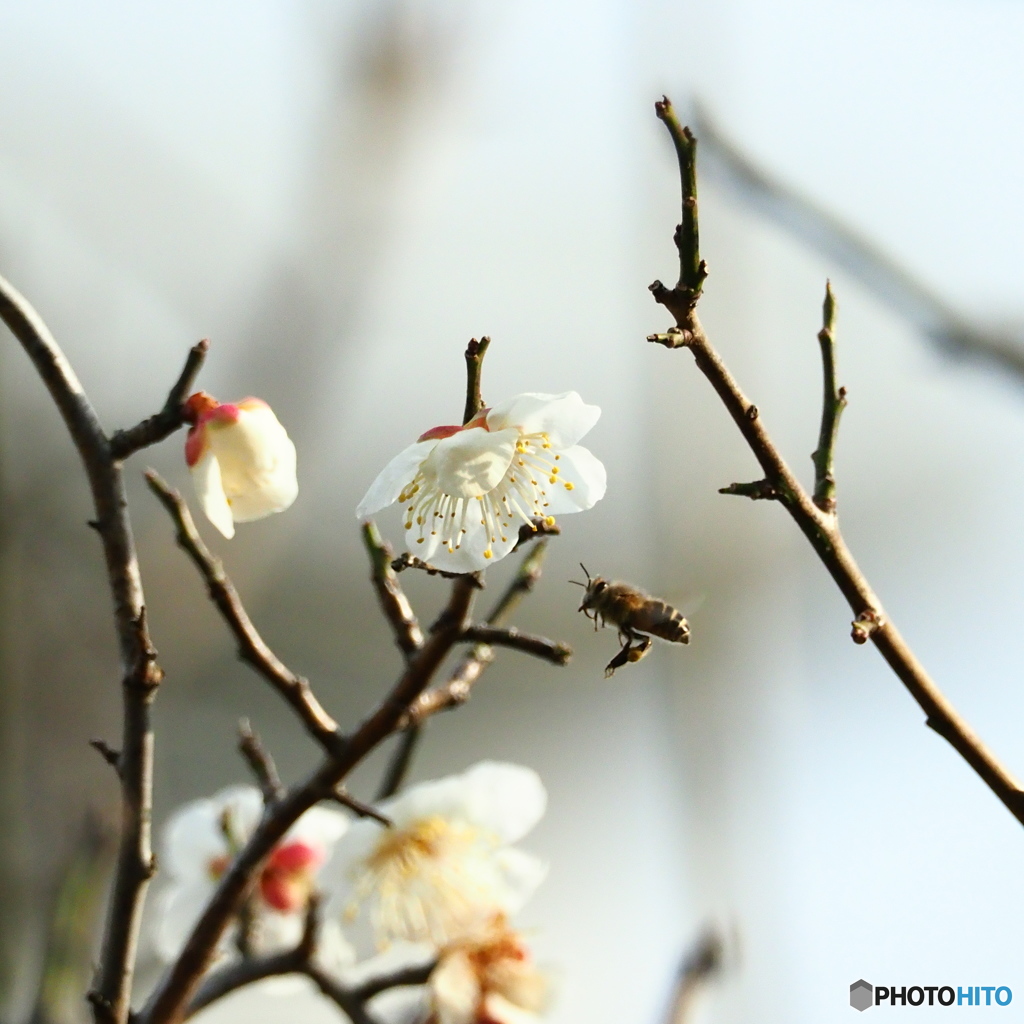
(339, 195)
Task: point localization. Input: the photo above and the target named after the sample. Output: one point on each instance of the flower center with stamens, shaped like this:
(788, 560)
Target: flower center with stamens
(499, 478)
(427, 880)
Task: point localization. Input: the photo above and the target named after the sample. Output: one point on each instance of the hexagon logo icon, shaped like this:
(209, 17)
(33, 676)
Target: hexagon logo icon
(860, 995)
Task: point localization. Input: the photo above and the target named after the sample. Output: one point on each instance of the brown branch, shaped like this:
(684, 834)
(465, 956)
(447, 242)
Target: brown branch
(821, 528)
(475, 352)
(172, 416)
(346, 799)
(111, 994)
(407, 561)
(172, 995)
(251, 647)
(300, 960)
(393, 601)
(509, 636)
(457, 689)
(262, 764)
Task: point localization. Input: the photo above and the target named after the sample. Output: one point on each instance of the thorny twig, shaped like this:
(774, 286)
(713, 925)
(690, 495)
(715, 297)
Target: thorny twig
(819, 525)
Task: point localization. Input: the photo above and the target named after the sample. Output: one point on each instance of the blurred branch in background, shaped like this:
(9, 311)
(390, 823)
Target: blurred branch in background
(74, 925)
(842, 245)
(702, 964)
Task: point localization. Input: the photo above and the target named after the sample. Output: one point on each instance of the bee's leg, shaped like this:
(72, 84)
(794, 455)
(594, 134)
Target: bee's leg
(618, 661)
(642, 647)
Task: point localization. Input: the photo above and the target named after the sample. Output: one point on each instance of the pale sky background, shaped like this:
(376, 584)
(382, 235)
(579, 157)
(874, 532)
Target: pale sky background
(232, 170)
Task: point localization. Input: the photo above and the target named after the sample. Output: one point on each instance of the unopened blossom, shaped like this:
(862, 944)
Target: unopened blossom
(447, 865)
(199, 843)
(467, 490)
(490, 979)
(241, 458)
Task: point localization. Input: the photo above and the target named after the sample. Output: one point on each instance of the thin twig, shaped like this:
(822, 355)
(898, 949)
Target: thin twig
(475, 352)
(251, 647)
(110, 997)
(832, 405)
(407, 561)
(346, 799)
(262, 764)
(692, 269)
(400, 761)
(172, 416)
(822, 530)
(509, 636)
(456, 691)
(172, 995)
(393, 601)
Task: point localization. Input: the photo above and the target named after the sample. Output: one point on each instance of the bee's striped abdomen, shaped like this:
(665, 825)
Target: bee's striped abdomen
(662, 620)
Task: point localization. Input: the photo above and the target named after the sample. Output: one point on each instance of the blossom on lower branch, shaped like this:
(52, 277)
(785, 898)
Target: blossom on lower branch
(241, 458)
(467, 490)
(490, 979)
(447, 866)
(199, 842)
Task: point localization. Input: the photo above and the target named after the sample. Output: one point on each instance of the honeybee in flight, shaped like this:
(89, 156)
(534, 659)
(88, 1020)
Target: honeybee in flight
(634, 613)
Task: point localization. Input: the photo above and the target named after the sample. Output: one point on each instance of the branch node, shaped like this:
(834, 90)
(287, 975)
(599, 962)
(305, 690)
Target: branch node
(108, 753)
(169, 418)
(673, 337)
(868, 622)
(756, 490)
(752, 413)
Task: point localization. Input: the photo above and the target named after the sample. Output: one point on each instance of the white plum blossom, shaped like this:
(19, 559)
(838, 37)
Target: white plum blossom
(447, 866)
(199, 842)
(487, 980)
(467, 490)
(241, 458)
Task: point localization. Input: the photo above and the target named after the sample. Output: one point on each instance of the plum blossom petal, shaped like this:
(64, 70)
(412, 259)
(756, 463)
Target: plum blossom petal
(445, 868)
(393, 477)
(242, 460)
(564, 418)
(209, 487)
(466, 491)
(589, 482)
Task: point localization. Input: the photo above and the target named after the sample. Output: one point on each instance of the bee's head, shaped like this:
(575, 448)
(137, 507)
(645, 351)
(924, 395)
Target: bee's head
(593, 587)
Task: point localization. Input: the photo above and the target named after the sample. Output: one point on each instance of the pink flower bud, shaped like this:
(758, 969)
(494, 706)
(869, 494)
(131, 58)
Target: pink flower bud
(241, 458)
